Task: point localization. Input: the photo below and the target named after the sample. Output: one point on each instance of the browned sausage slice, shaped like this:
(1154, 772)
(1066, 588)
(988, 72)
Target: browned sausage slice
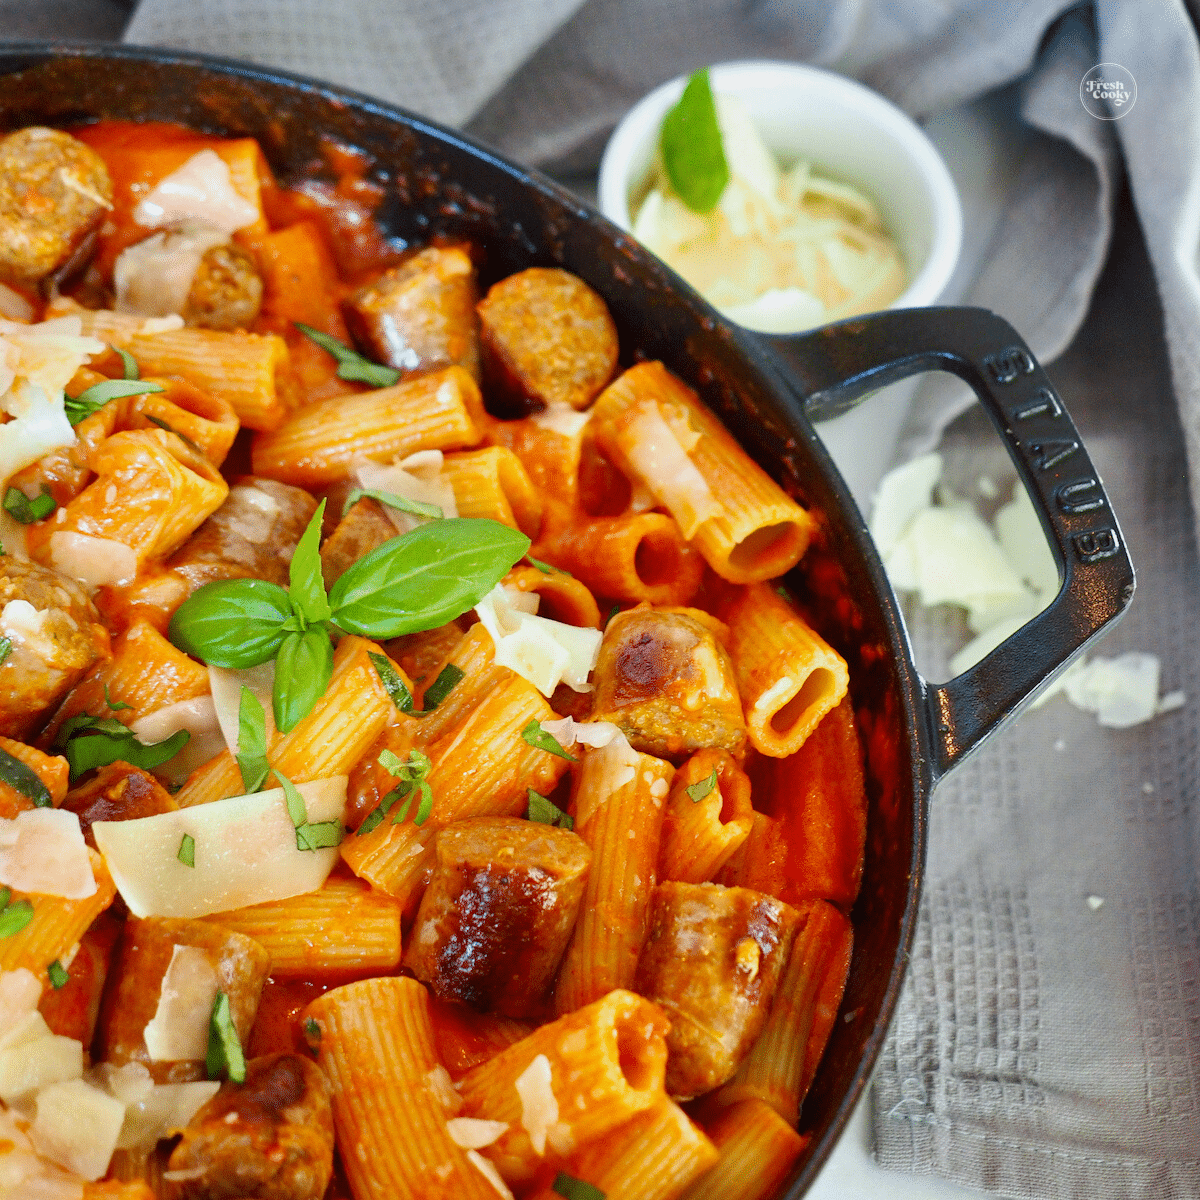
(364, 527)
(547, 338)
(269, 1137)
(497, 915)
(117, 792)
(712, 960)
(420, 315)
(226, 291)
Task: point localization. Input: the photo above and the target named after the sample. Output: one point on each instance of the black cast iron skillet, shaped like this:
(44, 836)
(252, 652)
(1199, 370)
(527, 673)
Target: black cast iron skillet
(765, 388)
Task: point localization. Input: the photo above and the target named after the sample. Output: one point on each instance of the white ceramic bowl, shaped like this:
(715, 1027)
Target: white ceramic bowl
(852, 134)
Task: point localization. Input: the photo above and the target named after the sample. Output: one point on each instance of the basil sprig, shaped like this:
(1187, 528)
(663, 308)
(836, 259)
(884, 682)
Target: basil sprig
(88, 742)
(691, 147)
(351, 364)
(410, 583)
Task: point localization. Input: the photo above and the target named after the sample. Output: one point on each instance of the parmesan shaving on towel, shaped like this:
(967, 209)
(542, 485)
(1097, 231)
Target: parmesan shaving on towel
(42, 850)
(201, 190)
(544, 652)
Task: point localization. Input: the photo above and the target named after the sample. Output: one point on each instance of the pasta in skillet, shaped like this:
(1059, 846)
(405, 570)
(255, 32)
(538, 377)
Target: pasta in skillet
(414, 781)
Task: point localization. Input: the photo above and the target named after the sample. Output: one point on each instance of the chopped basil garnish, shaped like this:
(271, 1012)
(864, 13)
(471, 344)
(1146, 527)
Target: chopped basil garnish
(128, 362)
(417, 508)
(612, 612)
(187, 850)
(183, 437)
(701, 788)
(449, 677)
(411, 772)
(295, 802)
(252, 741)
(99, 394)
(5, 648)
(691, 146)
(13, 917)
(392, 683)
(320, 836)
(547, 812)
(312, 1031)
(351, 364)
(113, 705)
(88, 742)
(575, 1189)
(21, 508)
(57, 975)
(547, 568)
(536, 736)
(225, 1055)
(24, 780)
(410, 583)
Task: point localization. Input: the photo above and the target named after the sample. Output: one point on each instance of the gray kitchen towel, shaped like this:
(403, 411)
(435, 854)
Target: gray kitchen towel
(1048, 1039)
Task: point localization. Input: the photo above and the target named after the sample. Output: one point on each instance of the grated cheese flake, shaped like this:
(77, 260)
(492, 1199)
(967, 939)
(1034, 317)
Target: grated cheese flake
(202, 190)
(42, 851)
(539, 1108)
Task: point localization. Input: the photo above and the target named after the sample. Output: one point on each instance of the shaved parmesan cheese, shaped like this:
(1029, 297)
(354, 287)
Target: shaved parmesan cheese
(198, 717)
(26, 1176)
(14, 306)
(178, 1031)
(163, 1111)
(656, 455)
(129, 1082)
(562, 419)
(419, 477)
(42, 851)
(544, 652)
(1021, 538)
(226, 687)
(77, 1126)
(94, 561)
(153, 277)
(471, 1133)
(202, 190)
(610, 767)
(441, 1087)
(902, 494)
(161, 324)
(489, 1172)
(40, 425)
(20, 991)
(1121, 691)
(539, 1107)
(569, 732)
(778, 310)
(20, 622)
(245, 853)
(30, 1065)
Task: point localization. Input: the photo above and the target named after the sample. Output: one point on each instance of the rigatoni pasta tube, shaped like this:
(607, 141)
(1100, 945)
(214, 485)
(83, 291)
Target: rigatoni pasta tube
(700, 834)
(334, 735)
(782, 1063)
(205, 420)
(654, 1156)
(345, 926)
(635, 557)
(376, 1048)
(655, 429)
(251, 371)
(757, 1148)
(493, 483)
(570, 1081)
(56, 925)
(788, 675)
(562, 597)
(317, 445)
(619, 800)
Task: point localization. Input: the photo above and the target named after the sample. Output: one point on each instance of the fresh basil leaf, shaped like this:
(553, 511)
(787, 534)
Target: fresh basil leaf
(381, 810)
(575, 1189)
(426, 577)
(547, 812)
(536, 736)
(5, 648)
(15, 917)
(183, 437)
(97, 747)
(351, 364)
(293, 799)
(57, 974)
(21, 508)
(252, 741)
(232, 623)
(391, 762)
(324, 835)
(417, 508)
(225, 1055)
(392, 683)
(128, 362)
(312, 1031)
(701, 788)
(187, 850)
(449, 677)
(113, 705)
(306, 587)
(303, 668)
(547, 568)
(24, 780)
(100, 394)
(691, 147)
(411, 772)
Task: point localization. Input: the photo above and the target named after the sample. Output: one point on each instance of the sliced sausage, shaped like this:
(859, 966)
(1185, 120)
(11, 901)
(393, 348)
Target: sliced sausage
(54, 634)
(270, 1137)
(54, 191)
(226, 291)
(420, 315)
(712, 960)
(546, 339)
(496, 917)
(363, 528)
(117, 792)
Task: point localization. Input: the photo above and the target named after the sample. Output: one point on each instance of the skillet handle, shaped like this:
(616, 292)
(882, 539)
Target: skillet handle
(835, 367)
